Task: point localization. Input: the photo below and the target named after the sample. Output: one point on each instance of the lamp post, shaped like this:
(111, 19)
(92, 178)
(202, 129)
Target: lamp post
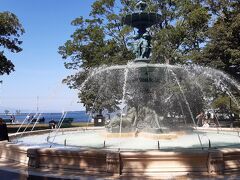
(37, 103)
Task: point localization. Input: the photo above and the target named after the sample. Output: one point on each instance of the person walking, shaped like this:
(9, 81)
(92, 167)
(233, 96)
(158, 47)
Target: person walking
(200, 119)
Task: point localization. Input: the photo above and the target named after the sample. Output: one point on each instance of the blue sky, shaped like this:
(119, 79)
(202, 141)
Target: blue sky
(39, 67)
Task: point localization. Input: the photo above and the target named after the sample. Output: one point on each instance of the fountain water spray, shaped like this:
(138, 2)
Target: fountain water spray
(123, 98)
(59, 126)
(187, 103)
(38, 117)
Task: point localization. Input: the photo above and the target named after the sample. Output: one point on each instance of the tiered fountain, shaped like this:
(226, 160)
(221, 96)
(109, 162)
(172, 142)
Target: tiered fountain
(154, 132)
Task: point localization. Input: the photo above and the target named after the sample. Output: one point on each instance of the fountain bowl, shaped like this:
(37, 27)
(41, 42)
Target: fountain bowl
(141, 20)
(120, 163)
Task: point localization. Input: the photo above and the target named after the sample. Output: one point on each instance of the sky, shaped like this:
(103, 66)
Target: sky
(39, 69)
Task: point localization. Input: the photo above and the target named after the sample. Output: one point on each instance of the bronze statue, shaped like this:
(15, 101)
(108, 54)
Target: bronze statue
(141, 19)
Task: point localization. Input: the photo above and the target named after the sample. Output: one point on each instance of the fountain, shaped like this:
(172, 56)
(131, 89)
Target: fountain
(154, 131)
(142, 20)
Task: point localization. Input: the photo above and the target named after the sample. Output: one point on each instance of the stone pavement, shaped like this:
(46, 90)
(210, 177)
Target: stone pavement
(10, 170)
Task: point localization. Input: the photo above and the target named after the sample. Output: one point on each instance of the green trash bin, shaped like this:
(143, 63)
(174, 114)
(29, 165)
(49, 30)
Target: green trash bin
(99, 120)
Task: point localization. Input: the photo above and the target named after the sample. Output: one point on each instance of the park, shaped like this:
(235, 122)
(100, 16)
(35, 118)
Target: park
(160, 82)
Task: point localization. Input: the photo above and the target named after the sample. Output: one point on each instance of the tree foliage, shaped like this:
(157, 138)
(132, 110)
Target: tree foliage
(10, 31)
(205, 32)
(223, 49)
(100, 39)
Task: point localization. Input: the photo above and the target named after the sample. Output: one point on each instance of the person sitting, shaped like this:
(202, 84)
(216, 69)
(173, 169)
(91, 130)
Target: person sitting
(52, 124)
(205, 124)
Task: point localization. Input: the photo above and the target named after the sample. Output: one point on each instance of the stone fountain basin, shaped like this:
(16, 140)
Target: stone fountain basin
(98, 138)
(144, 163)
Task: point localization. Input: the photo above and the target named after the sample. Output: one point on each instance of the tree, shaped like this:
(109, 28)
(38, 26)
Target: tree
(98, 40)
(222, 51)
(6, 112)
(183, 32)
(224, 102)
(183, 35)
(10, 31)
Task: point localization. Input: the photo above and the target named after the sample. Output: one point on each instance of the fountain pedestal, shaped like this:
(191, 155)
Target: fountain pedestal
(142, 20)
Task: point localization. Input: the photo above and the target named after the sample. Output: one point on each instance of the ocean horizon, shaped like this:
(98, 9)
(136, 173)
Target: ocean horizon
(78, 116)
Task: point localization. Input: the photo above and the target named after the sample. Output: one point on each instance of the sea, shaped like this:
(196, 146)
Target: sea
(78, 116)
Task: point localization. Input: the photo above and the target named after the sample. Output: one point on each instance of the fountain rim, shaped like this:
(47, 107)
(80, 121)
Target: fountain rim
(59, 146)
(207, 162)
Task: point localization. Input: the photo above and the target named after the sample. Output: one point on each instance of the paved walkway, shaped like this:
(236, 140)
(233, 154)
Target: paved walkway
(10, 170)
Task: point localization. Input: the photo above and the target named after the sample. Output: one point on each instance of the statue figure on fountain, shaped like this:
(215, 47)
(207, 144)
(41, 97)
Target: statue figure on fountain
(141, 6)
(136, 49)
(136, 118)
(124, 121)
(142, 46)
(145, 46)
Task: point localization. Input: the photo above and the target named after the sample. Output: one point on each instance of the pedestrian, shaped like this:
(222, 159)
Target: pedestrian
(215, 120)
(205, 124)
(28, 118)
(200, 119)
(208, 115)
(12, 118)
(3, 131)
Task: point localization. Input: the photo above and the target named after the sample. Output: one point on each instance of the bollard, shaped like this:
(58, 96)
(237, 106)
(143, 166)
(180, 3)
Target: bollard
(158, 145)
(209, 144)
(65, 142)
(104, 144)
